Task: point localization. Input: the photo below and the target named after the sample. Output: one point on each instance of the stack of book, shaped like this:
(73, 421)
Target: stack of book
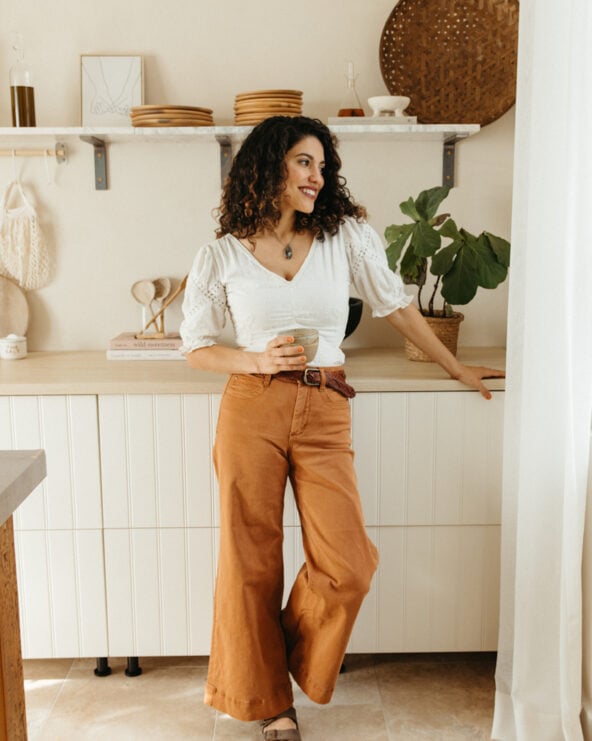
(126, 346)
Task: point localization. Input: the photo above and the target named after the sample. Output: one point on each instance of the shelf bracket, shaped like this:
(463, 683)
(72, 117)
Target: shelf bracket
(225, 156)
(61, 153)
(100, 156)
(448, 160)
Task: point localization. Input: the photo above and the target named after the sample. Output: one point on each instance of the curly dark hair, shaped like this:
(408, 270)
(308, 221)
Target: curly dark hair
(252, 191)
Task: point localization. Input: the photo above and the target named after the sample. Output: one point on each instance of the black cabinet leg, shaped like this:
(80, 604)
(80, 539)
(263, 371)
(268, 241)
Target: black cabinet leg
(103, 669)
(133, 668)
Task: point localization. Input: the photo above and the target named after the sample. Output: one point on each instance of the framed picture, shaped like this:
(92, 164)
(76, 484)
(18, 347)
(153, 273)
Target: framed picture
(109, 86)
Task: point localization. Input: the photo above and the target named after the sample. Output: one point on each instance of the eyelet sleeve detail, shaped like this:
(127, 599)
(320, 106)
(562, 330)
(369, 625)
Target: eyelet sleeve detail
(204, 305)
(372, 279)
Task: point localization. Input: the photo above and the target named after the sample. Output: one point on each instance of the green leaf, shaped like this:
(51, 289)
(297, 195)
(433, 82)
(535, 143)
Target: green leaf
(398, 233)
(393, 253)
(474, 265)
(460, 283)
(425, 240)
(427, 201)
(501, 247)
(442, 262)
(413, 268)
(449, 229)
(408, 208)
(491, 271)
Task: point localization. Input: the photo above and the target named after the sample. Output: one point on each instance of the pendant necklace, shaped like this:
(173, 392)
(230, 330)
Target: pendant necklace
(287, 248)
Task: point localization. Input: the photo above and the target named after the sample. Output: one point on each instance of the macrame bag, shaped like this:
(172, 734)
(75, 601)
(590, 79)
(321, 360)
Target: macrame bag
(24, 256)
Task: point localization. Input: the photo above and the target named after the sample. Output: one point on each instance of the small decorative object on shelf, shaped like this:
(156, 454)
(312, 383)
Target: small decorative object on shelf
(388, 105)
(350, 105)
(110, 85)
(456, 59)
(22, 92)
(460, 267)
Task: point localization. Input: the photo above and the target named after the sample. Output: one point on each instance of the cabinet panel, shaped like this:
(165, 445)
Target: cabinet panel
(156, 460)
(61, 593)
(159, 591)
(66, 428)
(436, 589)
(429, 458)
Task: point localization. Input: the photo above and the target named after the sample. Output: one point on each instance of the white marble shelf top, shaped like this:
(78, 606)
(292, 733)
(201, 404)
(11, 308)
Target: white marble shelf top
(47, 136)
(20, 472)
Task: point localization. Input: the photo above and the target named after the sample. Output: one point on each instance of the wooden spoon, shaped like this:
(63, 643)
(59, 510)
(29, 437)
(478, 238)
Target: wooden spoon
(168, 301)
(143, 291)
(162, 288)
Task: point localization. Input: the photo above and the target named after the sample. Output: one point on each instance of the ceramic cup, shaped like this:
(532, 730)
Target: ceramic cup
(308, 339)
(13, 347)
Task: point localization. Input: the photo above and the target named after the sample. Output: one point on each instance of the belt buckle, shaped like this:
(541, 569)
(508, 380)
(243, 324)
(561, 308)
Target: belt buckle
(305, 379)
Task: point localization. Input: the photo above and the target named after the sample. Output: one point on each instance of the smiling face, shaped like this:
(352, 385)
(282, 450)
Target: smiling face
(304, 180)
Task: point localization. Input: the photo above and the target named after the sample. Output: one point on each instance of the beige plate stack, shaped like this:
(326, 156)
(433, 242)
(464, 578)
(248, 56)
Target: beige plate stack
(251, 108)
(171, 115)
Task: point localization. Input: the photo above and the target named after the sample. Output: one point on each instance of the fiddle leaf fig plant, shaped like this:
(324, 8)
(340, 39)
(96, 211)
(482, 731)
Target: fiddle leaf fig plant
(462, 265)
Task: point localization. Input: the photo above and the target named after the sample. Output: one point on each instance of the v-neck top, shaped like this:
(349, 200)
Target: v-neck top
(227, 280)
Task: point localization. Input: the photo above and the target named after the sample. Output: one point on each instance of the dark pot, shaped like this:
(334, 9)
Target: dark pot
(355, 314)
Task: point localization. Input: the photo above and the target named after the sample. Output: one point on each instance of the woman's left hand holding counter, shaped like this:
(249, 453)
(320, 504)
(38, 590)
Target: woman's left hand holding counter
(411, 324)
(280, 354)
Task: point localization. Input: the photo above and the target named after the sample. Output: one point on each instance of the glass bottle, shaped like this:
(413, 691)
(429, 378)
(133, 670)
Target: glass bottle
(350, 105)
(22, 93)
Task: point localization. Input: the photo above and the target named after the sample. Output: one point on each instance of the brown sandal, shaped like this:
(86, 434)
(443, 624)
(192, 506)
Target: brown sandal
(287, 734)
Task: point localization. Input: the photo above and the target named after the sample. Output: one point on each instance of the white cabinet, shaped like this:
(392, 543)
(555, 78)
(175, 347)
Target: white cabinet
(429, 470)
(117, 549)
(160, 508)
(156, 460)
(160, 583)
(430, 475)
(58, 529)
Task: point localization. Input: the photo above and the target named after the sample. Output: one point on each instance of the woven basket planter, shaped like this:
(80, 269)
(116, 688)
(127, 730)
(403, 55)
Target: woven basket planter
(445, 328)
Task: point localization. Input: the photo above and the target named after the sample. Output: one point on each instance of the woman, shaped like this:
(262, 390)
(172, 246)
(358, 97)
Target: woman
(291, 242)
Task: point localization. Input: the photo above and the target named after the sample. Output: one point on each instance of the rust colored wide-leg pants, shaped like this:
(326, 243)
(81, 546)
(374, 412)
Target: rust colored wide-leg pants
(268, 430)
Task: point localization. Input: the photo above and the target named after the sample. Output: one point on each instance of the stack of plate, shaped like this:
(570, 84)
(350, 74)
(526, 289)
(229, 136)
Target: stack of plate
(251, 108)
(172, 115)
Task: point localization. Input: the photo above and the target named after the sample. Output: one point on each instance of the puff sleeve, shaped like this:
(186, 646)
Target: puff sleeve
(371, 277)
(204, 305)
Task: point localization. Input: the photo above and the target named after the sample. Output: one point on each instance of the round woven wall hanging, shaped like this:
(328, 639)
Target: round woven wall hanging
(455, 59)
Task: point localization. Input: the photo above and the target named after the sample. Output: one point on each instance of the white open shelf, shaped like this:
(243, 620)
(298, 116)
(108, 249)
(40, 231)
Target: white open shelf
(57, 138)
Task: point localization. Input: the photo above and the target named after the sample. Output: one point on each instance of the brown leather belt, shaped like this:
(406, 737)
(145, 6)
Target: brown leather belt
(314, 377)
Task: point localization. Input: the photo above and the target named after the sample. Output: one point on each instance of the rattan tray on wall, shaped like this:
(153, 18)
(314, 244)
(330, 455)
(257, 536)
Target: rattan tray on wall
(455, 59)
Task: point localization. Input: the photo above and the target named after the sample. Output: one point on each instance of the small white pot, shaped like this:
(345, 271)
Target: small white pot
(13, 347)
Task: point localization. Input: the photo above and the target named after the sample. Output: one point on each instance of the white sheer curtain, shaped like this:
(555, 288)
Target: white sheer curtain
(544, 671)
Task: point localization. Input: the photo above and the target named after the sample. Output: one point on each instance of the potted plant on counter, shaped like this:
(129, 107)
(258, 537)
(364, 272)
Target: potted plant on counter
(432, 245)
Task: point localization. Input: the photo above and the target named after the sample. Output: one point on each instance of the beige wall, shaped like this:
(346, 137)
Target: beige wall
(158, 209)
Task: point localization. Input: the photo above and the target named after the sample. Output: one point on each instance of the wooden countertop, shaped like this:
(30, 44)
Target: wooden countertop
(368, 369)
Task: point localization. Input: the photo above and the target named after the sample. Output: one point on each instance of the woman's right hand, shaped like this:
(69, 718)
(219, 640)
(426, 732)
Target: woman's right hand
(281, 354)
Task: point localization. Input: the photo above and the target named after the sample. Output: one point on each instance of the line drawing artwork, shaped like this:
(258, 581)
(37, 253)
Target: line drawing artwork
(111, 85)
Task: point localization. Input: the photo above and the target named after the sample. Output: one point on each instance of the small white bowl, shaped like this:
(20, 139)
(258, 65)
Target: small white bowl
(388, 105)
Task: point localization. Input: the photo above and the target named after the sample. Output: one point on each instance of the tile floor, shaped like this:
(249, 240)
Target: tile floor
(380, 697)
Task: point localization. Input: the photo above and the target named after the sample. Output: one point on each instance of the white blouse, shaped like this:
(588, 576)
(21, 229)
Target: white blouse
(226, 277)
